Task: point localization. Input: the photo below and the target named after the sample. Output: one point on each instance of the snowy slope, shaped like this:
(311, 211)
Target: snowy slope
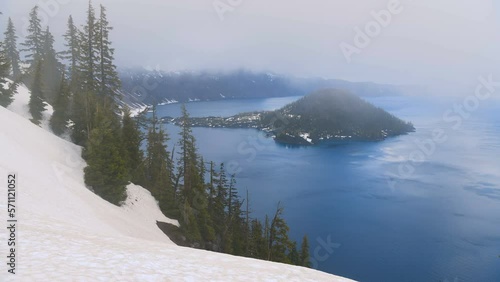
(67, 233)
(20, 106)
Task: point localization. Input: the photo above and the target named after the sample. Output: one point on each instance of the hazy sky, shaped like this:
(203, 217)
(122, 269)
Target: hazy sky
(429, 42)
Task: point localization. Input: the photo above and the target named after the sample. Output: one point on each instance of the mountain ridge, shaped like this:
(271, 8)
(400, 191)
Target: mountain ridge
(150, 87)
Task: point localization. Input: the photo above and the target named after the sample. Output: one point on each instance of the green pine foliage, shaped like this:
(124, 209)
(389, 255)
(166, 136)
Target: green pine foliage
(279, 244)
(33, 44)
(192, 190)
(257, 241)
(36, 103)
(59, 119)
(6, 89)
(84, 84)
(304, 257)
(11, 52)
(51, 68)
(293, 254)
(83, 108)
(72, 52)
(132, 139)
(106, 171)
(89, 53)
(158, 167)
(109, 83)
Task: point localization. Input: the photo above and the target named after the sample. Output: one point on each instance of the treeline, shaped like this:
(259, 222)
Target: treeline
(82, 85)
(205, 199)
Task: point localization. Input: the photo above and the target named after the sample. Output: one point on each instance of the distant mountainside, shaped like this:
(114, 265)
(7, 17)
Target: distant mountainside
(325, 115)
(142, 86)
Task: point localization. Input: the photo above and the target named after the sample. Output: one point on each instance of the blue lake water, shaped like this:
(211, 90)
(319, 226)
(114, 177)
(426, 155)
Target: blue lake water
(405, 209)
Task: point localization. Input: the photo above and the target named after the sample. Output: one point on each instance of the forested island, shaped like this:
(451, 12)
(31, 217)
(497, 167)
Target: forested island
(325, 115)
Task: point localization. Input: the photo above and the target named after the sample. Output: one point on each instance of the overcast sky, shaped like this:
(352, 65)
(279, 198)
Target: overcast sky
(428, 42)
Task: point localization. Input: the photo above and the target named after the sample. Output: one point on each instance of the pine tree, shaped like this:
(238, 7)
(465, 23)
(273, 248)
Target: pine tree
(89, 53)
(83, 108)
(218, 211)
(193, 189)
(51, 68)
(187, 155)
(257, 242)
(132, 139)
(6, 89)
(72, 53)
(36, 103)
(33, 43)
(11, 52)
(293, 254)
(304, 258)
(159, 167)
(190, 225)
(238, 228)
(201, 203)
(109, 83)
(59, 119)
(211, 190)
(106, 171)
(247, 225)
(279, 243)
(85, 98)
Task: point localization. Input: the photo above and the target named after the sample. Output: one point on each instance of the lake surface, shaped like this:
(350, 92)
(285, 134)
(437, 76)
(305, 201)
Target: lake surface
(405, 209)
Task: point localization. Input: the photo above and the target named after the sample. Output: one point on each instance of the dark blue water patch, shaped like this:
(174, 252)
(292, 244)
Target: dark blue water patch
(434, 226)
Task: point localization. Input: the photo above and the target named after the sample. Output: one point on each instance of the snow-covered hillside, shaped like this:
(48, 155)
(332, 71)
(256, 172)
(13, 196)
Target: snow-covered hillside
(67, 233)
(20, 106)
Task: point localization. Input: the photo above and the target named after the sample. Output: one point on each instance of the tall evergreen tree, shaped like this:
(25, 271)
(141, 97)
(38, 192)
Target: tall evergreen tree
(159, 167)
(11, 51)
(211, 189)
(59, 119)
(83, 108)
(89, 52)
(187, 155)
(51, 68)
(201, 203)
(293, 254)
(109, 83)
(85, 97)
(257, 241)
(193, 192)
(33, 43)
(279, 243)
(304, 258)
(106, 171)
(36, 103)
(218, 211)
(132, 139)
(237, 227)
(72, 52)
(6, 89)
